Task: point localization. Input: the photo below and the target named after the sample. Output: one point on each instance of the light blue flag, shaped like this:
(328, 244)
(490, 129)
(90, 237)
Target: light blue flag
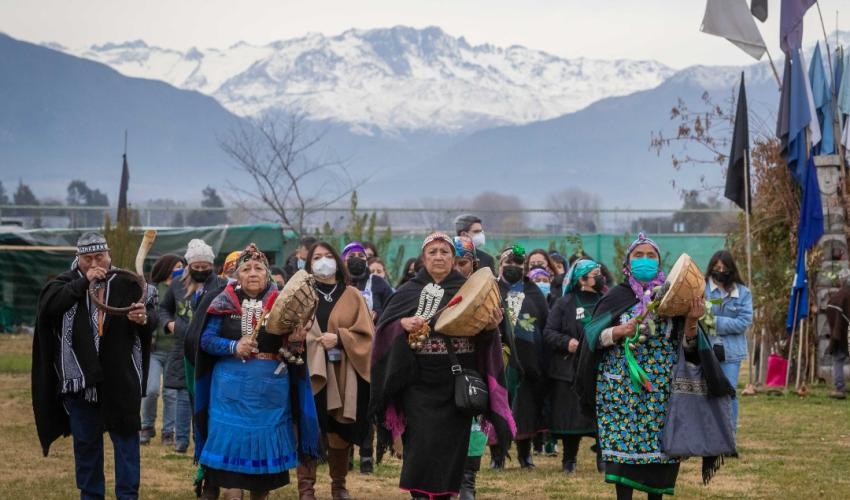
(822, 94)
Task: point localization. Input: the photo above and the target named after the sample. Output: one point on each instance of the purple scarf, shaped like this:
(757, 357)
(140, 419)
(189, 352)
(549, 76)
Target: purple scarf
(642, 291)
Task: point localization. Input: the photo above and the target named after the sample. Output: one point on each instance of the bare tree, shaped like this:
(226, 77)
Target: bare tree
(291, 177)
(574, 210)
(439, 213)
(495, 209)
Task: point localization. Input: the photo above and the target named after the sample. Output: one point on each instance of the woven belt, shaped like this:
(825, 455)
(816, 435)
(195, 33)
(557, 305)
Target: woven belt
(266, 355)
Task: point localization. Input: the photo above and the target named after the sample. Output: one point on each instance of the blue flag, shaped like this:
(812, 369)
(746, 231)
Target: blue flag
(809, 232)
(822, 94)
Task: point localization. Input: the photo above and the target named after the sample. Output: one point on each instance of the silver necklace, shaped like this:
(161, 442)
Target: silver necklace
(328, 296)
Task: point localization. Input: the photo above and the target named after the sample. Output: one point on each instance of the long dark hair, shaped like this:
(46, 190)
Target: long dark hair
(342, 275)
(724, 256)
(404, 277)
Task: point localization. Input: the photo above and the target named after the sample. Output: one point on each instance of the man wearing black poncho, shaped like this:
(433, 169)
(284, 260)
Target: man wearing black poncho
(89, 369)
(412, 392)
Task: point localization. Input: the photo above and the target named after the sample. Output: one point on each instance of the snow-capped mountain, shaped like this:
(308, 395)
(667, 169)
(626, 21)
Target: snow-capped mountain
(391, 79)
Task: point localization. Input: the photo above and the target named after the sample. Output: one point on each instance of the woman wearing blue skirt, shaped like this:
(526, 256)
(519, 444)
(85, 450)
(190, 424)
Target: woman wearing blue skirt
(256, 415)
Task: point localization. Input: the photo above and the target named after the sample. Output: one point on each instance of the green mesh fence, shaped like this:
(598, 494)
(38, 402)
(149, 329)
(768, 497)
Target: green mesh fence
(23, 273)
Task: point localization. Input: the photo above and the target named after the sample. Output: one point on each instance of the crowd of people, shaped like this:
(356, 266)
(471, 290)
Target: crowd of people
(570, 354)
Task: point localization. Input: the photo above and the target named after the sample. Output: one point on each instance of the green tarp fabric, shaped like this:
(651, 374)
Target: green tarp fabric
(24, 272)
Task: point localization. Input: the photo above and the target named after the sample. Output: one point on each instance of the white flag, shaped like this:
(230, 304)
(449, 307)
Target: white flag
(732, 20)
(814, 126)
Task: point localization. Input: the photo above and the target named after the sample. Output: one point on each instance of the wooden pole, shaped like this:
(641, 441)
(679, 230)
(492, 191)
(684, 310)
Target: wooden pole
(749, 388)
(763, 358)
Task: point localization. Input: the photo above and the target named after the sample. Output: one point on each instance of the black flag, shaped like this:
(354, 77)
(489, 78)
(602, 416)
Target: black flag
(759, 9)
(738, 179)
(123, 215)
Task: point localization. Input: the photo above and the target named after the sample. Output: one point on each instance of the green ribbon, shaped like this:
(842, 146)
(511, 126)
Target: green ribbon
(637, 376)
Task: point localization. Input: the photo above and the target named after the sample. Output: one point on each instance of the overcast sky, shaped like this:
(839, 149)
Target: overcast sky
(664, 30)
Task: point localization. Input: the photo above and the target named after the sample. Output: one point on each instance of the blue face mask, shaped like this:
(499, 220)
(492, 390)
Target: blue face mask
(544, 287)
(301, 263)
(644, 269)
(177, 273)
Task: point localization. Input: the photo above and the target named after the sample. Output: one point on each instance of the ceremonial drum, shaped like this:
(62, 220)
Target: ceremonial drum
(294, 306)
(684, 283)
(480, 297)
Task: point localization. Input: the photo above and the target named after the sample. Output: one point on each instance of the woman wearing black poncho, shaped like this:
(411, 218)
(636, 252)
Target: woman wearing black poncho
(562, 335)
(413, 391)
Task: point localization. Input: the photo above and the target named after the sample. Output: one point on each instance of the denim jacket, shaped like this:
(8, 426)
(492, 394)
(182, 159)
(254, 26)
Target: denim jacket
(734, 316)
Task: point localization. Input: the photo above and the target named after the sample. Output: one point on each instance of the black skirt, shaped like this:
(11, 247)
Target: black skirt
(651, 478)
(436, 437)
(528, 408)
(252, 482)
(566, 417)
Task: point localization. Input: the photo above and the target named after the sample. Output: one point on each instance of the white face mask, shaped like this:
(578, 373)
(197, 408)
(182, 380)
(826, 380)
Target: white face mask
(324, 267)
(478, 239)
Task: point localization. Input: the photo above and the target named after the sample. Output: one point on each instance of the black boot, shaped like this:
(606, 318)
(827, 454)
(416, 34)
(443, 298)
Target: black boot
(523, 452)
(497, 460)
(467, 485)
(568, 466)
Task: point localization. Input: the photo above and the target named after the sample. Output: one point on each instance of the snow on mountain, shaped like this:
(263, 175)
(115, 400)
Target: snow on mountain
(398, 78)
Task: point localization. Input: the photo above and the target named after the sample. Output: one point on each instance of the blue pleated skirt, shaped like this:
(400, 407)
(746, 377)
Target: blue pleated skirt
(250, 427)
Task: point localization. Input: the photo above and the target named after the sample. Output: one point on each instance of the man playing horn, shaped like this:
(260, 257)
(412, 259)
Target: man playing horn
(89, 369)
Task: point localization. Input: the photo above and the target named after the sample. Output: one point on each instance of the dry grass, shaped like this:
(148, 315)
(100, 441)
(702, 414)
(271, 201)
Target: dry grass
(790, 448)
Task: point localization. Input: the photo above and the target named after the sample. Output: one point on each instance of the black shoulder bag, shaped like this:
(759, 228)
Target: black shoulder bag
(471, 395)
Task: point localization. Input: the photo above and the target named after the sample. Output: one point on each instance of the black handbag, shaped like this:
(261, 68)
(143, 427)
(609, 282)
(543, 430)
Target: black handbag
(472, 397)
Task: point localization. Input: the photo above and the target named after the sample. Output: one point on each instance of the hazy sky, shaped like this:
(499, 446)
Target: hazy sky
(665, 30)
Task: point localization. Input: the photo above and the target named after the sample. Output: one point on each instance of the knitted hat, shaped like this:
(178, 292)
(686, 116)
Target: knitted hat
(199, 251)
(354, 246)
(91, 243)
(438, 236)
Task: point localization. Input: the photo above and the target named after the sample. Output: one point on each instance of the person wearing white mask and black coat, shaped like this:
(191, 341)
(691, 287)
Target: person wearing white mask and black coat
(471, 226)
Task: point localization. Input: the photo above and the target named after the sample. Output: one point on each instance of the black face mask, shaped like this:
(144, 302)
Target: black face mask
(722, 277)
(200, 276)
(356, 266)
(599, 283)
(512, 274)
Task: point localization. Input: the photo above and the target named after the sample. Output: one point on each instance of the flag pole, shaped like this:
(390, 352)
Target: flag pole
(773, 67)
(794, 328)
(749, 239)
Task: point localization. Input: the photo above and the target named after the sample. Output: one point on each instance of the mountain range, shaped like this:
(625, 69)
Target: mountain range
(395, 79)
(419, 113)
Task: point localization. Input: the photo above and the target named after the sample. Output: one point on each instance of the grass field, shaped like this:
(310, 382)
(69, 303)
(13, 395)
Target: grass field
(790, 447)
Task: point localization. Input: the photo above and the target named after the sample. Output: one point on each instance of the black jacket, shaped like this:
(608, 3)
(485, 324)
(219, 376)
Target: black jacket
(381, 291)
(561, 327)
(176, 307)
(485, 259)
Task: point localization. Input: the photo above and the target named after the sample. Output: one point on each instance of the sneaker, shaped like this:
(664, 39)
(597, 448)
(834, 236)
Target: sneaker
(146, 434)
(181, 448)
(836, 394)
(551, 449)
(366, 466)
(569, 468)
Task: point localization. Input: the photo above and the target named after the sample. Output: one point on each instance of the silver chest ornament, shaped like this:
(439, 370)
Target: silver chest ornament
(579, 313)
